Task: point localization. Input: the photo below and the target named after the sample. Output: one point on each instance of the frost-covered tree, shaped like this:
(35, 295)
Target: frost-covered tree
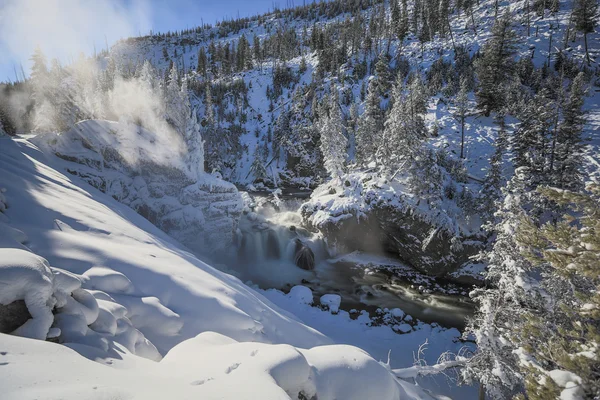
(195, 146)
(334, 143)
(531, 139)
(491, 190)
(502, 305)
(258, 168)
(562, 338)
(369, 128)
(568, 152)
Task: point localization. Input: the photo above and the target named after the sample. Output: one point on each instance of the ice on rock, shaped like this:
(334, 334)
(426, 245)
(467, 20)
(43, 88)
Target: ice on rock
(397, 313)
(301, 294)
(332, 302)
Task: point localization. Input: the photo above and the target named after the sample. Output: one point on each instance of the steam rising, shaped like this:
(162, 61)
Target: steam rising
(71, 87)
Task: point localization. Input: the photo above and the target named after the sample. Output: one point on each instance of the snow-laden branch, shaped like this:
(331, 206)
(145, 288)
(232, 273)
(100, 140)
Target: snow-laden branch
(423, 370)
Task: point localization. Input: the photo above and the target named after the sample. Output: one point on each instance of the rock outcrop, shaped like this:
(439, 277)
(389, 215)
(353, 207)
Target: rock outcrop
(374, 218)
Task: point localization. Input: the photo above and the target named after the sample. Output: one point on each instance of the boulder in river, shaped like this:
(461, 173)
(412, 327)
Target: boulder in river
(304, 256)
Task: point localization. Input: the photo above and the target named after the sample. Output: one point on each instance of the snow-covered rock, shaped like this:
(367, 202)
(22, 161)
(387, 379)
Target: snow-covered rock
(332, 302)
(25, 276)
(301, 294)
(144, 170)
(364, 213)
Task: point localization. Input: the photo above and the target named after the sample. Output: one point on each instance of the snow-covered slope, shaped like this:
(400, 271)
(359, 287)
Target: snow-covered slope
(132, 269)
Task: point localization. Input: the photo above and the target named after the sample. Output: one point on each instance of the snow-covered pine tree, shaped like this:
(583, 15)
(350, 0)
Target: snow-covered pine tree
(258, 167)
(496, 65)
(195, 146)
(562, 338)
(334, 143)
(173, 105)
(369, 128)
(503, 304)
(491, 190)
(567, 161)
(532, 137)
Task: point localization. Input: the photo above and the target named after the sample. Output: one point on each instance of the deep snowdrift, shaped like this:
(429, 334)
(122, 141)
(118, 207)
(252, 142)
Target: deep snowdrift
(107, 268)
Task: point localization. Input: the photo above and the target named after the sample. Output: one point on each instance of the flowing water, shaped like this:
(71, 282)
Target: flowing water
(266, 248)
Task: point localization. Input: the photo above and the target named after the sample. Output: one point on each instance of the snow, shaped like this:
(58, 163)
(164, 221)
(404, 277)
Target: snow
(126, 295)
(332, 302)
(25, 276)
(301, 294)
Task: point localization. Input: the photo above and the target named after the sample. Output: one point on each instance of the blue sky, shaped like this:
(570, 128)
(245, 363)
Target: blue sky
(65, 28)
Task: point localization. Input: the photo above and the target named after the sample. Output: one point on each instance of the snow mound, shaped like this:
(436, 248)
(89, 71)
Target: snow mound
(25, 276)
(332, 302)
(301, 294)
(209, 366)
(56, 302)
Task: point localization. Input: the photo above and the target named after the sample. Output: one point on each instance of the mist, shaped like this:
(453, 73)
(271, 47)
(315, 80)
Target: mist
(64, 28)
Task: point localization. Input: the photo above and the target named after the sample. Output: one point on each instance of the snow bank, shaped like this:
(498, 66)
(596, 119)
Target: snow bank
(209, 366)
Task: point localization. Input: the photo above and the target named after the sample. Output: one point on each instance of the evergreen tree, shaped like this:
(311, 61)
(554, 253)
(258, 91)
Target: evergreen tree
(491, 190)
(333, 141)
(567, 161)
(382, 72)
(202, 62)
(563, 336)
(258, 167)
(195, 146)
(369, 128)
(496, 66)
(532, 137)
(585, 16)
(503, 304)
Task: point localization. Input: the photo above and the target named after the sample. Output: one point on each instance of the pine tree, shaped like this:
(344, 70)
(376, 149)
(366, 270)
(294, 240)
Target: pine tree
(585, 16)
(532, 137)
(567, 162)
(382, 72)
(258, 167)
(202, 62)
(562, 336)
(369, 128)
(503, 304)
(402, 147)
(333, 141)
(491, 190)
(195, 146)
(496, 66)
